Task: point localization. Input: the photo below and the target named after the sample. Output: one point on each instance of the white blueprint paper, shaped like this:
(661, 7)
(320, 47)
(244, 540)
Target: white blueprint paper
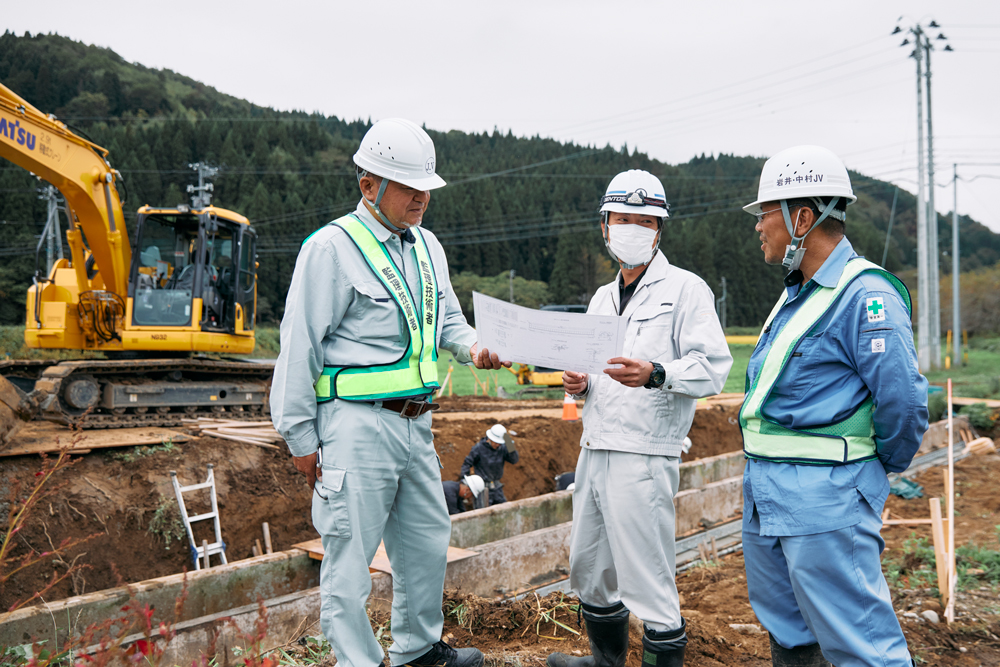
(549, 338)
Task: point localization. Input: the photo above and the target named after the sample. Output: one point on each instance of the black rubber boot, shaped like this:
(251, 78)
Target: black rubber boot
(664, 649)
(800, 656)
(442, 655)
(607, 629)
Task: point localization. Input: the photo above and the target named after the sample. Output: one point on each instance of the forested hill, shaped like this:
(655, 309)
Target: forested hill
(527, 204)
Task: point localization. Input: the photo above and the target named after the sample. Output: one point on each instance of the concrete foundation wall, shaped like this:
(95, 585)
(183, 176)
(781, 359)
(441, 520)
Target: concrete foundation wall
(520, 544)
(214, 591)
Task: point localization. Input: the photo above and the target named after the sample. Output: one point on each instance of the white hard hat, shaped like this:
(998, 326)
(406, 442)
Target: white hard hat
(401, 151)
(802, 172)
(496, 433)
(635, 191)
(475, 484)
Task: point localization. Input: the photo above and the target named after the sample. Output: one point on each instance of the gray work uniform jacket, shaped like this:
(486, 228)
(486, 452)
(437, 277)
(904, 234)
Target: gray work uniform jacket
(672, 321)
(338, 313)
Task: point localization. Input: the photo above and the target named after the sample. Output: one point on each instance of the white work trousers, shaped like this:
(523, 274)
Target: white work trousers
(381, 481)
(622, 541)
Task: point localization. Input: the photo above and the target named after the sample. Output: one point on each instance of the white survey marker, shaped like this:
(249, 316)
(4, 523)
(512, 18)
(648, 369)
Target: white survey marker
(549, 338)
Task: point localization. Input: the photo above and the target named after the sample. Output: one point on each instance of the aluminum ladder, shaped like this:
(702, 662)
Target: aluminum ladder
(201, 554)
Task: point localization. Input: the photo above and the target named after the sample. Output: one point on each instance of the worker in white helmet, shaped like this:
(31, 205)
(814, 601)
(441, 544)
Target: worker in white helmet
(834, 402)
(369, 306)
(488, 458)
(635, 420)
(458, 494)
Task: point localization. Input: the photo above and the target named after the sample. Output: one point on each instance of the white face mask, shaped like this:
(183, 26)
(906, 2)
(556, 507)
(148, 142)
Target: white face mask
(632, 244)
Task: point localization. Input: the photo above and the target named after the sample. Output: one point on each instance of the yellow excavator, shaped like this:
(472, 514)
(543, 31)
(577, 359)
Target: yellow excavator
(183, 287)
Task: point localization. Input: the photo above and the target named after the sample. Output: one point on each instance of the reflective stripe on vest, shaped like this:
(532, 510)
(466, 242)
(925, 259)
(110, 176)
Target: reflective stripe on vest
(415, 372)
(847, 441)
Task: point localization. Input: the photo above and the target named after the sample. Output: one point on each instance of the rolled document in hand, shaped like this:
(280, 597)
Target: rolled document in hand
(553, 339)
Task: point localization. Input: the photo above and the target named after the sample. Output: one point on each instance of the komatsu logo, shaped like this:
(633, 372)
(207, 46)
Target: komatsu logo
(17, 134)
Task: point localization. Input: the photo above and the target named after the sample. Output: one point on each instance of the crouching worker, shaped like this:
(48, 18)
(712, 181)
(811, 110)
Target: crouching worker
(634, 423)
(459, 495)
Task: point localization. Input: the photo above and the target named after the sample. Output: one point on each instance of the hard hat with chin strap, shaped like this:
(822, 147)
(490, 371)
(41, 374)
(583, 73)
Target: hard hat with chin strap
(803, 172)
(399, 150)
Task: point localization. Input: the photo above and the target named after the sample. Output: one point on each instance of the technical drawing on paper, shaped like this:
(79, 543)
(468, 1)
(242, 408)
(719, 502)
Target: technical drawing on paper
(553, 339)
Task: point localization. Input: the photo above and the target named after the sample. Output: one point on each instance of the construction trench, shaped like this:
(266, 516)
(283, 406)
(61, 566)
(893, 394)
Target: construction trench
(520, 550)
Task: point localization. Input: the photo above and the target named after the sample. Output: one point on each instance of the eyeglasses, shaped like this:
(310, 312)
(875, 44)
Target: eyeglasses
(760, 216)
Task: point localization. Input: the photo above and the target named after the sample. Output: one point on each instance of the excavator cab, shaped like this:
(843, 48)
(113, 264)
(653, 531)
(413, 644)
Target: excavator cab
(182, 256)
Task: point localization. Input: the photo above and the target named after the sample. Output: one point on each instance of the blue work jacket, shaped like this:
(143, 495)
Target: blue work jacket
(850, 353)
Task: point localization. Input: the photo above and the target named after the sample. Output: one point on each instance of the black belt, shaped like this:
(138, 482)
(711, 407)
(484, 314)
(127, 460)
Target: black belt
(409, 408)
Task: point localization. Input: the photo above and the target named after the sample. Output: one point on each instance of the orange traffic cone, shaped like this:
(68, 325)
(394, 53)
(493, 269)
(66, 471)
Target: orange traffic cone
(569, 409)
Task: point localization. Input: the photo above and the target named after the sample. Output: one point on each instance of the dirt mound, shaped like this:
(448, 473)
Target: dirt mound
(716, 430)
(126, 498)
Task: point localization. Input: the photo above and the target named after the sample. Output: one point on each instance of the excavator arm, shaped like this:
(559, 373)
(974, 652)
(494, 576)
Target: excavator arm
(80, 170)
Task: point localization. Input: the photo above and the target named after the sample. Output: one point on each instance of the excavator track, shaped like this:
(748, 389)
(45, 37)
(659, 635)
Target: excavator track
(116, 393)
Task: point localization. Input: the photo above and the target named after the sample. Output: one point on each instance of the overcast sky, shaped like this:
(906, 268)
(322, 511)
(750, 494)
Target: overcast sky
(675, 79)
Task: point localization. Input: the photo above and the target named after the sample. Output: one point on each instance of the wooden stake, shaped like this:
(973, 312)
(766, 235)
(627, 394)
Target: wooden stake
(949, 612)
(204, 550)
(267, 538)
(260, 549)
(253, 550)
(702, 551)
(940, 549)
(715, 549)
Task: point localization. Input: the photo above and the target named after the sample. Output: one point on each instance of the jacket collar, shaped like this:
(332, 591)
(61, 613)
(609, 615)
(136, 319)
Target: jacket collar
(376, 227)
(656, 272)
(829, 273)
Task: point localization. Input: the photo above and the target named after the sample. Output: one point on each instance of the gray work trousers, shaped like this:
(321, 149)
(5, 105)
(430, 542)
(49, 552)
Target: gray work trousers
(381, 482)
(622, 540)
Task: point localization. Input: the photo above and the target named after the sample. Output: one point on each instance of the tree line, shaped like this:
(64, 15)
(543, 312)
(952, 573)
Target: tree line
(527, 204)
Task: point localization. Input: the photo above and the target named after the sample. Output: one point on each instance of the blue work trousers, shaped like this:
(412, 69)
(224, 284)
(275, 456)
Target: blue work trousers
(827, 588)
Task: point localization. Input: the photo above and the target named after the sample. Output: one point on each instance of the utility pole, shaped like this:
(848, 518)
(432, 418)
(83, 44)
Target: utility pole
(512, 285)
(923, 289)
(934, 249)
(956, 319)
(720, 305)
(888, 232)
(200, 195)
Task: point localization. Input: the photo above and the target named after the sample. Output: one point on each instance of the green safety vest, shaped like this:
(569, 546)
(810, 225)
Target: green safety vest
(415, 372)
(847, 441)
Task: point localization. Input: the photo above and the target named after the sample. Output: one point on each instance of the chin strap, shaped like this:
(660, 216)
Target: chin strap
(376, 211)
(795, 252)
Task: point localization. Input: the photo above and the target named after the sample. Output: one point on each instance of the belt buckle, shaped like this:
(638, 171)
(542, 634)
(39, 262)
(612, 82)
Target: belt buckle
(412, 409)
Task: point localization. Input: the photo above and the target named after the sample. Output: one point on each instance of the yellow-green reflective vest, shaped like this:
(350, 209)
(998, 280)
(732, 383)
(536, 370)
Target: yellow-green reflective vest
(415, 372)
(847, 441)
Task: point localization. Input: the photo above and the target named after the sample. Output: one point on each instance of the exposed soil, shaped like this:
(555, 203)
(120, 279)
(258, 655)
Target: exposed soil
(118, 500)
(127, 500)
(715, 430)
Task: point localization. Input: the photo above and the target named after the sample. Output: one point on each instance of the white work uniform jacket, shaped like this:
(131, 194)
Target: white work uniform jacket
(672, 321)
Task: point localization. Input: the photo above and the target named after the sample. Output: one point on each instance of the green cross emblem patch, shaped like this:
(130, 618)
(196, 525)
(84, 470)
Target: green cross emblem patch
(876, 309)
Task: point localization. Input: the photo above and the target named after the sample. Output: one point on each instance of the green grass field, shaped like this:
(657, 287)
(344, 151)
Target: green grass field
(980, 378)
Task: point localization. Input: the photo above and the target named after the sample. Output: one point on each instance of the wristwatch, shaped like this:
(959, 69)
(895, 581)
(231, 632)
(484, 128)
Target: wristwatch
(657, 377)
